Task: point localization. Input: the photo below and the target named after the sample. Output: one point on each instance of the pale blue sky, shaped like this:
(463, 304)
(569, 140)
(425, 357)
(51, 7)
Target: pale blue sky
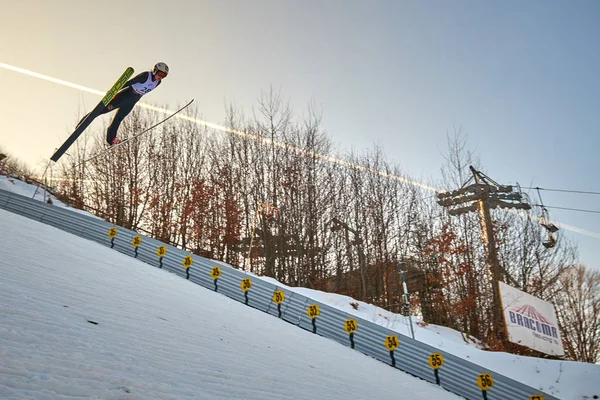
(520, 77)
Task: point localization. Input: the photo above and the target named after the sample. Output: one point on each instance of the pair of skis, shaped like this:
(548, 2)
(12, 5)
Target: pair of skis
(96, 111)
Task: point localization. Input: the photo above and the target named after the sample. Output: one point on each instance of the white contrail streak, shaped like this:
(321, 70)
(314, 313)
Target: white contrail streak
(268, 141)
(577, 230)
(50, 79)
(308, 153)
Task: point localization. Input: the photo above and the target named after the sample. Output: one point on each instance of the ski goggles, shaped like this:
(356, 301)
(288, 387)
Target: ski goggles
(161, 74)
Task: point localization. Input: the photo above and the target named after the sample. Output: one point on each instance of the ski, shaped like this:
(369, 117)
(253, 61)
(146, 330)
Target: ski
(95, 112)
(137, 135)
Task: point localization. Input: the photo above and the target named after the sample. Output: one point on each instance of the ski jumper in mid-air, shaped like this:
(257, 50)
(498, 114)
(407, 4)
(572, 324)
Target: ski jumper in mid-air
(131, 92)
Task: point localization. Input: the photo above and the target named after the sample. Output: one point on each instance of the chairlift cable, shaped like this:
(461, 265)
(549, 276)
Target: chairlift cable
(569, 209)
(562, 190)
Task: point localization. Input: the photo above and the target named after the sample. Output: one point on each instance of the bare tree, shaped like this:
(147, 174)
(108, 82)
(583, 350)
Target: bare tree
(578, 312)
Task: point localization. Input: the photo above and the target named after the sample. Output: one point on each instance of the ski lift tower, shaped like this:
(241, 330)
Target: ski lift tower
(481, 193)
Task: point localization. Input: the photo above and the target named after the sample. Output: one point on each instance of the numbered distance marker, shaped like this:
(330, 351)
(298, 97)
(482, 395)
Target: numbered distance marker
(215, 273)
(187, 263)
(313, 312)
(161, 251)
(485, 383)
(436, 360)
(392, 343)
(137, 240)
(536, 397)
(246, 284)
(112, 233)
(278, 297)
(351, 326)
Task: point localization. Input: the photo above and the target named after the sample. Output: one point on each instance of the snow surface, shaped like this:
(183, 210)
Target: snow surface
(563, 379)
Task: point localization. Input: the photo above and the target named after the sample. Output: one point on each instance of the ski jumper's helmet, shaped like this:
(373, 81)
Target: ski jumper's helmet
(161, 67)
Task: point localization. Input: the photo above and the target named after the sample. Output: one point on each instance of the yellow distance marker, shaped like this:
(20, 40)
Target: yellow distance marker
(137, 240)
(278, 297)
(350, 325)
(161, 251)
(112, 233)
(246, 284)
(436, 360)
(187, 261)
(313, 311)
(485, 382)
(392, 343)
(536, 397)
(215, 273)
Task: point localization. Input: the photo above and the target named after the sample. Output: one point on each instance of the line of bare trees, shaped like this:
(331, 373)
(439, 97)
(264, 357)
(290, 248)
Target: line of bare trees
(341, 227)
(11, 166)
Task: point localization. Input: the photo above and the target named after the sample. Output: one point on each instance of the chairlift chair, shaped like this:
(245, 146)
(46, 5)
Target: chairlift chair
(550, 227)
